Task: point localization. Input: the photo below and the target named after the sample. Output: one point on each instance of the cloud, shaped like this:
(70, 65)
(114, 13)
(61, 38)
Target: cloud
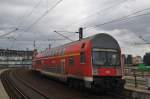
(129, 41)
(70, 15)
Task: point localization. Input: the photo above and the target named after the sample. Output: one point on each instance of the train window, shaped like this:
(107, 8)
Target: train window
(58, 52)
(71, 60)
(38, 62)
(82, 57)
(106, 58)
(61, 51)
(83, 45)
(64, 51)
(54, 52)
(50, 53)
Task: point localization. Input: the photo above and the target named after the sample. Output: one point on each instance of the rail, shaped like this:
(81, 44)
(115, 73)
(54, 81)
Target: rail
(11, 87)
(15, 85)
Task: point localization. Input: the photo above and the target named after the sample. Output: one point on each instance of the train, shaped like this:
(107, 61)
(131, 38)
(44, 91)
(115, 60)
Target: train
(93, 62)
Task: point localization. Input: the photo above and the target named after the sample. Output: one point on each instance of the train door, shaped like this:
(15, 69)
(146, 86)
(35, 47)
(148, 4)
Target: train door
(62, 70)
(63, 66)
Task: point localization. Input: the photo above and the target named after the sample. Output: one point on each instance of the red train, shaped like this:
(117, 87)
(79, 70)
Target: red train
(93, 62)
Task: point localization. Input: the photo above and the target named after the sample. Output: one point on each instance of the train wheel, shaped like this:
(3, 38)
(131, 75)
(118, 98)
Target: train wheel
(81, 85)
(75, 84)
(70, 84)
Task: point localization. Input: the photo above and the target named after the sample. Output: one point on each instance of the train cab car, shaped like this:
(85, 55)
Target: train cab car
(93, 62)
(106, 62)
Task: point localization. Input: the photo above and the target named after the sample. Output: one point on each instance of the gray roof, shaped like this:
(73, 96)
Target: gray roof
(104, 40)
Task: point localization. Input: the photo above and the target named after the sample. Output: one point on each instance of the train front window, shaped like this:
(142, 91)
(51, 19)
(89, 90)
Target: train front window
(99, 58)
(112, 58)
(105, 58)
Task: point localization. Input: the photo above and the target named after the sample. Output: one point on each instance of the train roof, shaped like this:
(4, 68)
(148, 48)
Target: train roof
(102, 40)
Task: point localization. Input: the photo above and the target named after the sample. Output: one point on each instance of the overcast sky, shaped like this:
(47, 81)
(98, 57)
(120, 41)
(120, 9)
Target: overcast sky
(69, 15)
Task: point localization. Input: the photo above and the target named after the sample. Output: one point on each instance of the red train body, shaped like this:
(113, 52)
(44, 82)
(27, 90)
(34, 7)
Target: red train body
(93, 62)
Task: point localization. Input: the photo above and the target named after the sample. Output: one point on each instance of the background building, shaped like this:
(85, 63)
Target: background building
(137, 60)
(15, 58)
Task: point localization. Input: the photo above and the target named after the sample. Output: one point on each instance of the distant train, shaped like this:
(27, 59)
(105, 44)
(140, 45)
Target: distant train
(92, 62)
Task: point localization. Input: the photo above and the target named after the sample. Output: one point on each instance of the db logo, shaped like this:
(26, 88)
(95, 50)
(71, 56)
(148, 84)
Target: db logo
(107, 72)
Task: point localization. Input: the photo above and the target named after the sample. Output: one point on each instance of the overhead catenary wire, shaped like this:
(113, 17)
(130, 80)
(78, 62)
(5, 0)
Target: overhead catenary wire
(30, 13)
(98, 12)
(46, 40)
(3, 35)
(18, 26)
(7, 27)
(43, 15)
(124, 18)
(68, 31)
(63, 36)
(141, 43)
(98, 24)
(145, 41)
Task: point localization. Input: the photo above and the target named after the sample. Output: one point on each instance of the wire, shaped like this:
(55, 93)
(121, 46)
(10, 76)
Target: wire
(98, 12)
(9, 32)
(40, 40)
(140, 43)
(43, 15)
(30, 13)
(63, 36)
(122, 18)
(39, 17)
(68, 31)
(143, 39)
(25, 16)
(6, 28)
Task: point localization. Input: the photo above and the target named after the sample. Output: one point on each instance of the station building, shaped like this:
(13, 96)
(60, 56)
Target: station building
(15, 58)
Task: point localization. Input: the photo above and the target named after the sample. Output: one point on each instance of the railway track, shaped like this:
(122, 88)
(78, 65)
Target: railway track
(17, 88)
(11, 88)
(25, 84)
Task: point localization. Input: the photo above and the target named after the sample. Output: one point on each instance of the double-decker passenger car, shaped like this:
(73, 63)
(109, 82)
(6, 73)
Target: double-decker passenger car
(93, 62)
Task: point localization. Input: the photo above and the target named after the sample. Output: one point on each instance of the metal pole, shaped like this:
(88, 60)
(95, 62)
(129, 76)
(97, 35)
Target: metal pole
(34, 44)
(49, 46)
(80, 33)
(135, 80)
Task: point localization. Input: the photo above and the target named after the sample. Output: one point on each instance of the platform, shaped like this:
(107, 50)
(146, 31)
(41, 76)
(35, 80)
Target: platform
(140, 91)
(132, 88)
(3, 94)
